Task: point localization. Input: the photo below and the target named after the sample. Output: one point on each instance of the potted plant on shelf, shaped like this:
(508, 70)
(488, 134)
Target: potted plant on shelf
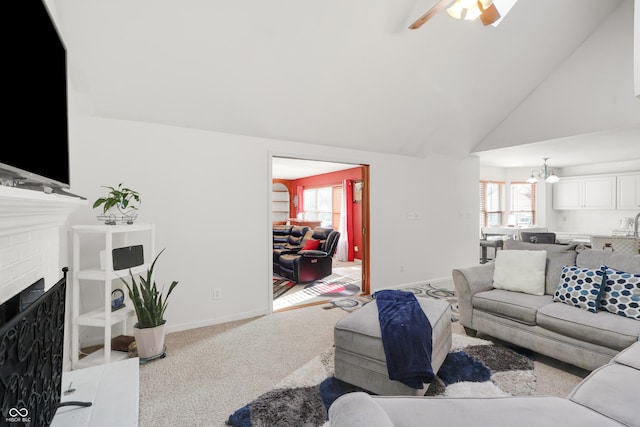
(150, 305)
(120, 205)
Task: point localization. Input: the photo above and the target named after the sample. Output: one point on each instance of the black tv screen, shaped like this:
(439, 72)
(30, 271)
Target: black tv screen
(35, 118)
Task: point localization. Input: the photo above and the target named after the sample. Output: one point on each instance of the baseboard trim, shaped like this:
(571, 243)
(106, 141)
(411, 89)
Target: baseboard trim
(218, 320)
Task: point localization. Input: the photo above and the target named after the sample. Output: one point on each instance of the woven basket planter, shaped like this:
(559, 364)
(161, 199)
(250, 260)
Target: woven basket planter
(621, 244)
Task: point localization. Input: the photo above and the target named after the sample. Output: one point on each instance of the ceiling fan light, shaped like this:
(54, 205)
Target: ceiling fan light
(532, 180)
(472, 13)
(455, 11)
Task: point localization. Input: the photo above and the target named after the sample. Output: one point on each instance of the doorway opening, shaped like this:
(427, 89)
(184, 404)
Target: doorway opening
(322, 203)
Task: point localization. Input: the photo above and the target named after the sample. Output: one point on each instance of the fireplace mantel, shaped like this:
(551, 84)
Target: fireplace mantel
(26, 210)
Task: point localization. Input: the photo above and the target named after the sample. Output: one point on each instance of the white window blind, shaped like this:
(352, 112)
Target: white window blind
(492, 195)
(318, 205)
(523, 203)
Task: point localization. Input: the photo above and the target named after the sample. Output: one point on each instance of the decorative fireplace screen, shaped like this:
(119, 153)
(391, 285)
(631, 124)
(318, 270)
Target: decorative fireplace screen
(31, 360)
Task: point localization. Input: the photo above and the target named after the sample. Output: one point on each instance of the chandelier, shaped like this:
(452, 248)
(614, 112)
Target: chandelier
(545, 173)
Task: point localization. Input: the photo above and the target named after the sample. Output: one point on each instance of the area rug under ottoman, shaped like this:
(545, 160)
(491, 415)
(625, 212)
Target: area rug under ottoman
(474, 367)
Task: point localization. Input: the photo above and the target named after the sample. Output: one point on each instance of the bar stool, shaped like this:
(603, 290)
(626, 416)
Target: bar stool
(486, 242)
(495, 244)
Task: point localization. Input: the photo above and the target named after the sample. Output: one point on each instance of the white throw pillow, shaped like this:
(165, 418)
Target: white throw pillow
(520, 271)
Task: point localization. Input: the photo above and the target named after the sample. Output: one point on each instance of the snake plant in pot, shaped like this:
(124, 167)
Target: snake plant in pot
(150, 305)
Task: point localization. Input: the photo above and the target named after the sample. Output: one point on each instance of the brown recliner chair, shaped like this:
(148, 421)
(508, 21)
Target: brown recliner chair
(311, 264)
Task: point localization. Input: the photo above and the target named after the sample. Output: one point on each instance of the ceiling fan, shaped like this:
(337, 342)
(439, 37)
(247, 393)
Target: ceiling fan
(472, 9)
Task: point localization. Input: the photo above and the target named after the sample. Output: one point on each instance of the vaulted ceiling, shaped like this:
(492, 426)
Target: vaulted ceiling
(333, 72)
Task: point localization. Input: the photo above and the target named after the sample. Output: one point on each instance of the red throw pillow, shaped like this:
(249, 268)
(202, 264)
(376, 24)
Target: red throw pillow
(311, 245)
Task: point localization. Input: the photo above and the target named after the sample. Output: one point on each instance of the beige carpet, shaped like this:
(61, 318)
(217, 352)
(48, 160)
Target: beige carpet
(211, 372)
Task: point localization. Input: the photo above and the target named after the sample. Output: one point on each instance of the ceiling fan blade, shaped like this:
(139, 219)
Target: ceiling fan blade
(430, 13)
(490, 15)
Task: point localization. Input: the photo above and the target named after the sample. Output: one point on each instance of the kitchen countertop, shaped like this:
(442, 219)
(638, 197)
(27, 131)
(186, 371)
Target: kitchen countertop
(620, 242)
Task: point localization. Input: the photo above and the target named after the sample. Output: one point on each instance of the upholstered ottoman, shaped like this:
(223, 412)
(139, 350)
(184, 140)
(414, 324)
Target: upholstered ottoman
(359, 353)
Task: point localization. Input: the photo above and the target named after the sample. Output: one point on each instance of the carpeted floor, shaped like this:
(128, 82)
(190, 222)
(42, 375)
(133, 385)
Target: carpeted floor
(427, 290)
(474, 368)
(209, 373)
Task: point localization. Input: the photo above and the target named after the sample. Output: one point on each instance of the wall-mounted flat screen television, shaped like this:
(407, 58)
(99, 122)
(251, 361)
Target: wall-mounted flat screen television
(35, 94)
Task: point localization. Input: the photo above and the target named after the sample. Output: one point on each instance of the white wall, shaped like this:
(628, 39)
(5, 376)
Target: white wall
(208, 194)
(592, 90)
(636, 43)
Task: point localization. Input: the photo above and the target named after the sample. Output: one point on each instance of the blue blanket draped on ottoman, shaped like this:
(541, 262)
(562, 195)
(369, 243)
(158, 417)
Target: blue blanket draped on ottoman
(406, 337)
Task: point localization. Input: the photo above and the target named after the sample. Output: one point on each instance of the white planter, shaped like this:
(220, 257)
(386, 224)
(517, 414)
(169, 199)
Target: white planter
(149, 341)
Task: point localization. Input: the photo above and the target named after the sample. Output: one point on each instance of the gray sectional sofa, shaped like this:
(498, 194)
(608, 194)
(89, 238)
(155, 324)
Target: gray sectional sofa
(607, 397)
(561, 331)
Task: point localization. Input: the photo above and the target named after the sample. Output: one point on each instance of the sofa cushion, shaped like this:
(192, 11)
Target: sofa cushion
(358, 409)
(282, 230)
(289, 260)
(622, 262)
(612, 391)
(520, 271)
(557, 257)
(621, 294)
(601, 328)
(521, 411)
(512, 305)
(580, 287)
(629, 356)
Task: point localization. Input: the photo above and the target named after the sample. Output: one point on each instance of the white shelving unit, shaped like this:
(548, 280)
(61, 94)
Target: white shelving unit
(280, 202)
(89, 279)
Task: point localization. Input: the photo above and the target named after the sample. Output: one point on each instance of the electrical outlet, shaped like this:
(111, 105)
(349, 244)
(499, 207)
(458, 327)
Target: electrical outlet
(402, 269)
(216, 293)
(355, 249)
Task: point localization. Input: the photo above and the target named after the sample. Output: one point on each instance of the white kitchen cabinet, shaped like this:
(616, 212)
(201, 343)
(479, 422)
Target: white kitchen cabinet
(567, 194)
(629, 191)
(594, 192)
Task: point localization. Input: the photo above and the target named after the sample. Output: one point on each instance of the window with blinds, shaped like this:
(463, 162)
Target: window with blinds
(318, 205)
(523, 203)
(492, 195)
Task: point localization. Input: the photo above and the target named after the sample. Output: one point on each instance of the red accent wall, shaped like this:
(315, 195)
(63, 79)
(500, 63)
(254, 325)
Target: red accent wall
(329, 179)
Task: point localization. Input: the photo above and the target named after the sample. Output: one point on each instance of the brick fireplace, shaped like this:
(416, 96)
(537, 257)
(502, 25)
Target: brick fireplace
(32, 238)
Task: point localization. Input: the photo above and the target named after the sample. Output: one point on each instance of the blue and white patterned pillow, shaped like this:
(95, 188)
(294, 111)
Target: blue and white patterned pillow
(580, 287)
(621, 293)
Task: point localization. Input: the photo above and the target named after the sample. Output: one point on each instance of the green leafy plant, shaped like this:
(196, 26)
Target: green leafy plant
(147, 300)
(120, 197)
